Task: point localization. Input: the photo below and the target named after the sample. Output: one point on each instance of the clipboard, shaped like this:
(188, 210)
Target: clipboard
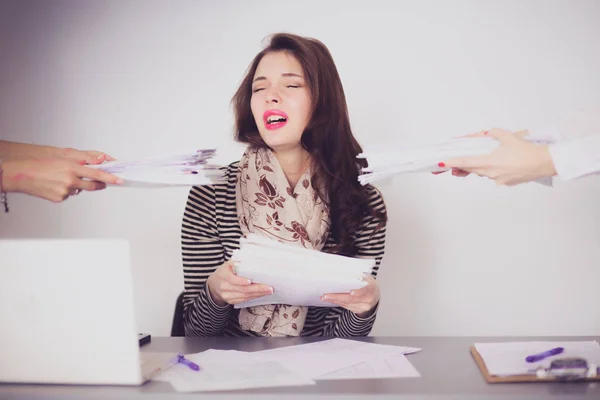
(516, 378)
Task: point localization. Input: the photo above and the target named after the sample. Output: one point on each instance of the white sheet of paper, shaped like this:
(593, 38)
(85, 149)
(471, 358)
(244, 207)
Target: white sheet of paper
(156, 178)
(391, 366)
(298, 276)
(505, 359)
(230, 370)
(185, 169)
(317, 359)
(301, 292)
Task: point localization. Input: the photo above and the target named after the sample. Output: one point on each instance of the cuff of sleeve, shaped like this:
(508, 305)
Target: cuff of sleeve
(546, 136)
(567, 157)
(217, 308)
(355, 319)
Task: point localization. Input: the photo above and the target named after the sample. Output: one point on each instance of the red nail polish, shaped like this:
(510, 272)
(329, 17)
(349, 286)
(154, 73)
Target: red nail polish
(441, 165)
(485, 133)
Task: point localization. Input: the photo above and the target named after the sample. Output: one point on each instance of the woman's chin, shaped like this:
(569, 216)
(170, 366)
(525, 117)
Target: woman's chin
(280, 143)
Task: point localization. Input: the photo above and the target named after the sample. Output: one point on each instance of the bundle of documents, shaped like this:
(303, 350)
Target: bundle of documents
(291, 366)
(185, 169)
(298, 276)
(386, 161)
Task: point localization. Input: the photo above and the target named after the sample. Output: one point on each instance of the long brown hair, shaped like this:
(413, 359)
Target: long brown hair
(327, 137)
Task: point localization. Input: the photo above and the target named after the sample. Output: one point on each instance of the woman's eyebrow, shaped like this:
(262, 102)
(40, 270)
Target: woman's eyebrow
(286, 74)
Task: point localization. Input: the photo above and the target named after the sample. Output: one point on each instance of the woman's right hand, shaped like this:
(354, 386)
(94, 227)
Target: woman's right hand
(226, 287)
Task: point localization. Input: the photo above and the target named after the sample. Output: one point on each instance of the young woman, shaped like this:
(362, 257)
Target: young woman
(296, 183)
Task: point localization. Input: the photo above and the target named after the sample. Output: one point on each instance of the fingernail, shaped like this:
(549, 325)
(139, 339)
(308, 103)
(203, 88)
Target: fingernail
(485, 133)
(271, 290)
(324, 298)
(100, 156)
(352, 293)
(441, 165)
(249, 282)
(120, 181)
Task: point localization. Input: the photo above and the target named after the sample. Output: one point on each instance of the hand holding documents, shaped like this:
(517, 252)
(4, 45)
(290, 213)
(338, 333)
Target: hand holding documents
(297, 275)
(186, 169)
(386, 161)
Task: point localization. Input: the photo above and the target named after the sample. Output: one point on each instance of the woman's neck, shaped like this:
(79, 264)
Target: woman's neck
(294, 163)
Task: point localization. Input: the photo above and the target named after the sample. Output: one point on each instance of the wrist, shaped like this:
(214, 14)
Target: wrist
(546, 164)
(368, 313)
(218, 300)
(3, 199)
(8, 182)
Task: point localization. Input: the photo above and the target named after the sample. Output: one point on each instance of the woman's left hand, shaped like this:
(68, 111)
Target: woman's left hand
(361, 301)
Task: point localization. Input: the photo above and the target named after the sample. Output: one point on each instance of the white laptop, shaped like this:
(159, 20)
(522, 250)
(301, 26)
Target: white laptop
(67, 314)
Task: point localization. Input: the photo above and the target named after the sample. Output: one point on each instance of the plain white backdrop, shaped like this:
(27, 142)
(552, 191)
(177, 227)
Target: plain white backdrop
(463, 257)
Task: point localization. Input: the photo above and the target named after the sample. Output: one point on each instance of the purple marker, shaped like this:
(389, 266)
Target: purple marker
(539, 357)
(181, 359)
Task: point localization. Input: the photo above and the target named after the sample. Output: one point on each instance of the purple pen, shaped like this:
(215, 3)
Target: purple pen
(181, 359)
(540, 356)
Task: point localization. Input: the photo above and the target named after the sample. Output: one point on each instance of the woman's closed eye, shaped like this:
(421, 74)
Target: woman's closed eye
(258, 89)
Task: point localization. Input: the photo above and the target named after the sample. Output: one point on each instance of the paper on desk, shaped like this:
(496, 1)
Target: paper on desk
(316, 360)
(185, 169)
(390, 366)
(505, 359)
(386, 161)
(230, 370)
(290, 366)
(298, 276)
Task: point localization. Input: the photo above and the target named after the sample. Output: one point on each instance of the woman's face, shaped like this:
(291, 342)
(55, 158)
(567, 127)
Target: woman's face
(280, 101)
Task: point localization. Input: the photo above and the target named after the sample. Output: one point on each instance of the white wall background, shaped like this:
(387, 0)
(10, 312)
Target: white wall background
(464, 257)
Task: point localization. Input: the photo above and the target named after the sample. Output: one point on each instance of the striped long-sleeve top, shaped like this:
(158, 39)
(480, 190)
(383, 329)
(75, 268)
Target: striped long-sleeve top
(211, 232)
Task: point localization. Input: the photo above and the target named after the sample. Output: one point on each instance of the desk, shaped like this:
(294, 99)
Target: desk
(445, 364)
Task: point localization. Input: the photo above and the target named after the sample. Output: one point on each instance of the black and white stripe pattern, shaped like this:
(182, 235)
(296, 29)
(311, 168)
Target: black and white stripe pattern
(210, 233)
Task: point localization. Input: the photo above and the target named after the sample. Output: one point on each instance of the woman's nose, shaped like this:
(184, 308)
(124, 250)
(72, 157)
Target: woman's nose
(273, 96)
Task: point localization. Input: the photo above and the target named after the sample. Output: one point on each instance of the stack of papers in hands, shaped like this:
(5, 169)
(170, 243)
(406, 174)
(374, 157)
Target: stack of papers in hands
(298, 276)
(185, 169)
(386, 161)
(291, 366)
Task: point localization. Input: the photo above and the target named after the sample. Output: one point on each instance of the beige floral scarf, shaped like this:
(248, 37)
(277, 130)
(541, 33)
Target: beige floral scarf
(267, 205)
